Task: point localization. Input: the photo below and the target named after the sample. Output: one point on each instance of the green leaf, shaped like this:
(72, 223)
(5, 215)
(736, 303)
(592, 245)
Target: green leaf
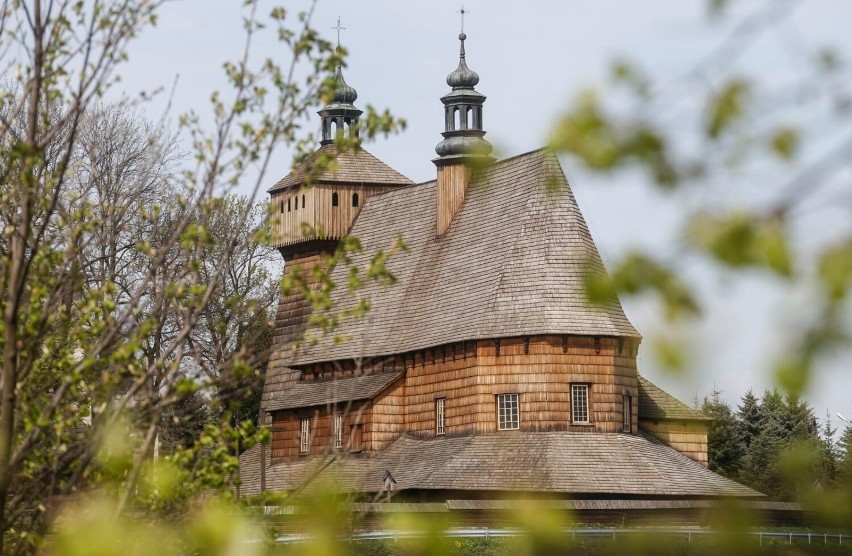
(785, 143)
(743, 240)
(726, 107)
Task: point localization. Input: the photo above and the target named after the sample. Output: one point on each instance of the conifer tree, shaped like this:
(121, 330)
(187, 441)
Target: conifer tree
(725, 447)
(749, 414)
(844, 462)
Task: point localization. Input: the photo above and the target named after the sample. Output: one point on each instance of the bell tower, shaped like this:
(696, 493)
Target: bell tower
(313, 208)
(464, 148)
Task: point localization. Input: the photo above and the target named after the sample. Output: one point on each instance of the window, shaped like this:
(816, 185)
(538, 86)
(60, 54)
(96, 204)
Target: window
(303, 201)
(281, 203)
(354, 199)
(296, 202)
(439, 415)
(338, 430)
(627, 410)
(580, 403)
(334, 200)
(507, 412)
(288, 205)
(305, 445)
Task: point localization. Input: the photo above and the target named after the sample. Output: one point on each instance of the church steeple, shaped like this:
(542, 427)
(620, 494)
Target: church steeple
(340, 115)
(463, 148)
(463, 134)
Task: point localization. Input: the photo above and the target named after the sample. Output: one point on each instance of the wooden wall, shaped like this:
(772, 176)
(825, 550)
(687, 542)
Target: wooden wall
(443, 372)
(387, 418)
(318, 212)
(542, 373)
(453, 181)
(286, 430)
(471, 374)
(687, 437)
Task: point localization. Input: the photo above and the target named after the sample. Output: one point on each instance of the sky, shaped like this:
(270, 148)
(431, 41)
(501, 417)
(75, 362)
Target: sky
(533, 58)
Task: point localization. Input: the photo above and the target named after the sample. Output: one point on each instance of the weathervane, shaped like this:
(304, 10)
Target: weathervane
(462, 11)
(340, 28)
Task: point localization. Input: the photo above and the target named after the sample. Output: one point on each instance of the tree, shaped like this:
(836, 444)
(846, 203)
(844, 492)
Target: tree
(844, 465)
(105, 280)
(749, 415)
(725, 449)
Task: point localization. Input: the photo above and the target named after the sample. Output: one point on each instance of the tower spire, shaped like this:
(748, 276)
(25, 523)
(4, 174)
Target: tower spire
(340, 115)
(463, 134)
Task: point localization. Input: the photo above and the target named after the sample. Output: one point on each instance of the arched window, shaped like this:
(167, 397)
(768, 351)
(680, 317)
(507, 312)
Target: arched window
(354, 199)
(303, 201)
(281, 203)
(456, 119)
(334, 200)
(296, 202)
(288, 205)
(468, 119)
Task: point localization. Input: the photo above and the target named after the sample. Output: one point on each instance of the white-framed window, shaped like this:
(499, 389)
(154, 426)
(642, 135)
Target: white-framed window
(305, 444)
(338, 430)
(508, 415)
(440, 404)
(627, 411)
(580, 403)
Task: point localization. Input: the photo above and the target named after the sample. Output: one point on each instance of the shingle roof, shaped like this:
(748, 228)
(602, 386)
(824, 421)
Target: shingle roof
(655, 404)
(512, 263)
(350, 166)
(579, 464)
(309, 394)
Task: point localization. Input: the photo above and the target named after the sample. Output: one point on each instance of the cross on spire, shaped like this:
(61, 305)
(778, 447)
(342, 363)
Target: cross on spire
(340, 28)
(462, 11)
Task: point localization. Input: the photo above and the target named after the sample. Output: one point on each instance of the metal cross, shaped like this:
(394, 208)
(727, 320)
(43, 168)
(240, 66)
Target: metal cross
(462, 11)
(339, 28)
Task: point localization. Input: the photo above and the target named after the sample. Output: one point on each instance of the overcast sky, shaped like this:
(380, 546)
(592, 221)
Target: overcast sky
(533, 57)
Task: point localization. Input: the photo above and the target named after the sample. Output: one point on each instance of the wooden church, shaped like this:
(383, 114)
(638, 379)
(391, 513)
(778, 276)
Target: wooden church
(482, 375)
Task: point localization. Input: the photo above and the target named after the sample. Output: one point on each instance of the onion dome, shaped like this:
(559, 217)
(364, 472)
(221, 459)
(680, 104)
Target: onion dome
(343, 93)
(463, 77)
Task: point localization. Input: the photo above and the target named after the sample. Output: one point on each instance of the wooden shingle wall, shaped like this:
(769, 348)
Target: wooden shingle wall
(318, 213)
(453, 181)
(542, 373)
(687, 437)
(290, 323)
(286, 429)
(443, 372)
(470, 375)
(387, 418)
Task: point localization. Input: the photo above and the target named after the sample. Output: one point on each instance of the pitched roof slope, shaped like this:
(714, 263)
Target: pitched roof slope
(655, 404)
(311, 394)
(351, 166)
(511, 264)
(580, 464)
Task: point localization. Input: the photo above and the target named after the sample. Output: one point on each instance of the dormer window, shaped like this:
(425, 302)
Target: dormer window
(335, 201)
